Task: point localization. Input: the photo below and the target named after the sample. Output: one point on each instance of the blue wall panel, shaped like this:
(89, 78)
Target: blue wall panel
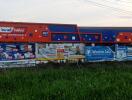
(63, 28)
(65, 37)
(91, 37)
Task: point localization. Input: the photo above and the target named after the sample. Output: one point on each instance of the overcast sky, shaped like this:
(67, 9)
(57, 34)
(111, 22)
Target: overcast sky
(81, 12)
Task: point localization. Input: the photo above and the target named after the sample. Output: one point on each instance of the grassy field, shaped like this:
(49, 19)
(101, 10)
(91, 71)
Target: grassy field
(91, 81)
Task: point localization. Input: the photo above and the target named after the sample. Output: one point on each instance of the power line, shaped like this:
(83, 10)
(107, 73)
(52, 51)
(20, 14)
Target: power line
(110, 7)
(124, 3)
(114, 8)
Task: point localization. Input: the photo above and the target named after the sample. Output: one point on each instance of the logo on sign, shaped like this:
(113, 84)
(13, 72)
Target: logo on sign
(6, 29)
(11, 30)
(101, 52)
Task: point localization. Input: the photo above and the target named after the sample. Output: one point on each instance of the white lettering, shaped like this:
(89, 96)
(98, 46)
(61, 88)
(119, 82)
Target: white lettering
(11, 30)
(18, 30)
(101, 52)
(6, 29)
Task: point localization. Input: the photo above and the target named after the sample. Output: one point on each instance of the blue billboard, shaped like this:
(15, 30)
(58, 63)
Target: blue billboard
(99, 53)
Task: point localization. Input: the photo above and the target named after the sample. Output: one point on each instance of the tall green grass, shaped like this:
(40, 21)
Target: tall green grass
(91, 81)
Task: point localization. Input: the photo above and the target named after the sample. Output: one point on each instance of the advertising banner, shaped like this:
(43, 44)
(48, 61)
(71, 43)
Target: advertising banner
(18, 63)
(123, 52)
(129, 53)
(16, 51)
(99, 53)
(59, 51)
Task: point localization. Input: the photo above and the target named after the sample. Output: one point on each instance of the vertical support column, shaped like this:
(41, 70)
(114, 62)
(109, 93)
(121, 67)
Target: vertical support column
(116, 50)
(36, 50)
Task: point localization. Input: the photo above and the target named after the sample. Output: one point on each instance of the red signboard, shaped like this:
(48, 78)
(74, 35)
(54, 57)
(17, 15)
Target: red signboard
(24, 32)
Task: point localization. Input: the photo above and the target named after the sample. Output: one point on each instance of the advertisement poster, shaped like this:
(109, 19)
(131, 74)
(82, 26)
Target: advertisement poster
(99, 53)
(16, 51)
(129, 53)
(59, 51)
(121, 53)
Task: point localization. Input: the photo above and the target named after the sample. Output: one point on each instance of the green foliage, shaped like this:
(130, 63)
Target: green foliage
(91, 81)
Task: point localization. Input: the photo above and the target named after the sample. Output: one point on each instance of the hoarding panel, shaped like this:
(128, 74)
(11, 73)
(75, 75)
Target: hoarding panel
(59, 51)
(99, 53)
(129, 53)
(18, 51)
(123, 52)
